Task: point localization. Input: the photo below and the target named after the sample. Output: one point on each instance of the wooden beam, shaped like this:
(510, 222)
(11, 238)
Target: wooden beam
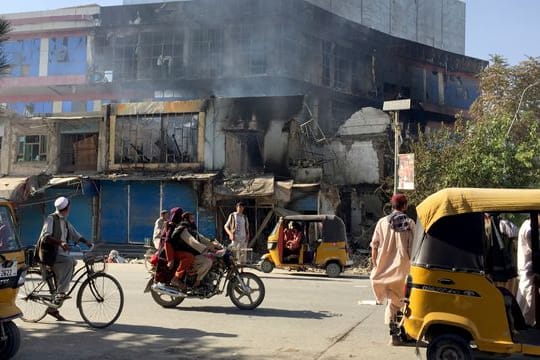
(261, 228)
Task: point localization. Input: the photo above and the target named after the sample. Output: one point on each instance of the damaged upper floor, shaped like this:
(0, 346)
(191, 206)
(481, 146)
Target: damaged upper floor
(242, 48)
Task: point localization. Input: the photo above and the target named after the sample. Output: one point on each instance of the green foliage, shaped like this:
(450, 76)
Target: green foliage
(4, 65)
(4, 30)
(498, 147)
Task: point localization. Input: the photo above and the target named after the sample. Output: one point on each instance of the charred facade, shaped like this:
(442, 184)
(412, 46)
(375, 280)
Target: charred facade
(201, 100)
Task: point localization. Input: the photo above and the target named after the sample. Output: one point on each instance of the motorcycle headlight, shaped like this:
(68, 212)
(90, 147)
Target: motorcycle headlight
(20, 280)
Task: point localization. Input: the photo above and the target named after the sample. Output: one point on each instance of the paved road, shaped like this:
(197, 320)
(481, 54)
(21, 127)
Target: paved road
(304, 316)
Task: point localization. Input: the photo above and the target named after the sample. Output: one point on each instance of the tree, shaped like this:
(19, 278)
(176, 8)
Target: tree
(4, 30)
(498, 146)
(4, 65)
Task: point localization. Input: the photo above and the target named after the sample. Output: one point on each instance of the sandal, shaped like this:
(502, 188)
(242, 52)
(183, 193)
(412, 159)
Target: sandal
(56, 314)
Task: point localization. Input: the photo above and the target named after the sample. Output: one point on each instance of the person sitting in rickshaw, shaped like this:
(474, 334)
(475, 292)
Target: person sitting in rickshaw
(292, 238)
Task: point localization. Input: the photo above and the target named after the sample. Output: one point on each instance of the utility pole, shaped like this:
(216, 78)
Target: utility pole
(397, 132)
(395, 106)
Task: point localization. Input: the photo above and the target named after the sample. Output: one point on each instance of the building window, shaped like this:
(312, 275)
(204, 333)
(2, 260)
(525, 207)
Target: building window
(161, 55)
(326, 56)
(169, 138)
(251, 48)
(32, 148)
(342, 73)
(207, 48)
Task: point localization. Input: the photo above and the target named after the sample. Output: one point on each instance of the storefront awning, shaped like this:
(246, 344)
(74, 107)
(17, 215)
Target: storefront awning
(177, 177)
(246, 187)
(56, 181)
(14, 188)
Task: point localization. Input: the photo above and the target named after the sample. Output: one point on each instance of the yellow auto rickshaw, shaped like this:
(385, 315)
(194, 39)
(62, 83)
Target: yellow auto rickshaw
(452, 300)
(12, 273)
(322, 243)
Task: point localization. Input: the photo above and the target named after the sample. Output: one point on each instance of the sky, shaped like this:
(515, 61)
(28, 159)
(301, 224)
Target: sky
(509, 28)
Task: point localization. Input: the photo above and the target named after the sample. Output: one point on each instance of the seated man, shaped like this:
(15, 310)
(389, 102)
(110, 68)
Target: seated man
(292, 239)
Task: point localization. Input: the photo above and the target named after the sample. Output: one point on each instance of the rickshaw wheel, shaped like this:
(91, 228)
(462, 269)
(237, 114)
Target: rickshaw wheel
(267, 266)
(449, 347)
(333, 270)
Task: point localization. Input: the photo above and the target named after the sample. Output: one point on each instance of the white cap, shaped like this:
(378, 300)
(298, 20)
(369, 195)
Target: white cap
(61, 203)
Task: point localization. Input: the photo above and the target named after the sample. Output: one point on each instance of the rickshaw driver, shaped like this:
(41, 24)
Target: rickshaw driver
(525, 295)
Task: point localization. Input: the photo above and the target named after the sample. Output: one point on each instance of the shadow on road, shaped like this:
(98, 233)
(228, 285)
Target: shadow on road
(263, 312)
(315, 276)
(122, 341)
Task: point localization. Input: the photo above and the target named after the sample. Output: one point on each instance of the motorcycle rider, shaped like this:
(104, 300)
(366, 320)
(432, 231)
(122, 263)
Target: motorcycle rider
(186, 239)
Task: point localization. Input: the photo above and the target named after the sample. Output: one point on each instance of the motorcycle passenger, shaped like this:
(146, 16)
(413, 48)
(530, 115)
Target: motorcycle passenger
(176, 253)
(186, 238)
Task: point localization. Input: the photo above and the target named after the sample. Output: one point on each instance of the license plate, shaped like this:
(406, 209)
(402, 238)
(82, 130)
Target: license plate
(8, 269)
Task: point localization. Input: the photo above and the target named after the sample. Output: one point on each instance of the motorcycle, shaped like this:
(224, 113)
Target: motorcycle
(245, 289)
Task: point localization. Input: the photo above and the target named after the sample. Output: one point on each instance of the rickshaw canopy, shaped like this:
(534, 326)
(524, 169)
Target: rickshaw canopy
(333, 229)
(455, 201)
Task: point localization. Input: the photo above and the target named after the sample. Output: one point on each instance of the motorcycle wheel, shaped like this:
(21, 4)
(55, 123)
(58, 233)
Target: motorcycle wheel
(165, 300)
(10, 345)
(247, 292)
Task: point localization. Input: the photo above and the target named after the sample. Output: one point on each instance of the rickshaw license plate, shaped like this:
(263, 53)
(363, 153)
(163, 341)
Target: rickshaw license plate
(8, 269)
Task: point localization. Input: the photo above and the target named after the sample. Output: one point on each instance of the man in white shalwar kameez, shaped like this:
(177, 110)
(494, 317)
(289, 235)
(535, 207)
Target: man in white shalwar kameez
(390, 256)
(525, 294)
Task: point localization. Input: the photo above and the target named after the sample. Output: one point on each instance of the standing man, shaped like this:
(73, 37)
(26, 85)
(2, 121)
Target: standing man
(53, 251)
(237, 227)
(390, 256)
(158, 227)
(525, 294)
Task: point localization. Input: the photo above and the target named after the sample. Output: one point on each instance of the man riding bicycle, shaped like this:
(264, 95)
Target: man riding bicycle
(53, 251)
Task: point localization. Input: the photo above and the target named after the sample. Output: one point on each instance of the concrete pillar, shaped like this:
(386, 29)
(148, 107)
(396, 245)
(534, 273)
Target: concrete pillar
(44, 57)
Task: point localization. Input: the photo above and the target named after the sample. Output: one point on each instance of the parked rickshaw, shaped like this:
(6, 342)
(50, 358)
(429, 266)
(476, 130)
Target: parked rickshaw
(323, 245)
(12, 272)
(451, 300)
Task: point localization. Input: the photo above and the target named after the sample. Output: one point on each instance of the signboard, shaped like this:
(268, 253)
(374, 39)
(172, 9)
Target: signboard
(394, 105)
(406, 172)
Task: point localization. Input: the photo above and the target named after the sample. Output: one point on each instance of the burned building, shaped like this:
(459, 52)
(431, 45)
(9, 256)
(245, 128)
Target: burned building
(201, 100)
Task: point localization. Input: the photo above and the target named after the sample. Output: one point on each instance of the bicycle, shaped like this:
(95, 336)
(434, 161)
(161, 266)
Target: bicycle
(100, 298)
(147, 257)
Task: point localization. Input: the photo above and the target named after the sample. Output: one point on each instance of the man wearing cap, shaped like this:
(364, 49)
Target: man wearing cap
(390, 256)
(158, 227)
(54, 250)
(237, 227)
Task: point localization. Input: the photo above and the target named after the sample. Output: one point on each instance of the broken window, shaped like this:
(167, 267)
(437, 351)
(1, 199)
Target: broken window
(124, 57)
(161, 55)
(32, 148)
(79, 152)
(22, 56)
(169, 138)
(342, 69)
(326, 56)
(207, 48)
(252, 48)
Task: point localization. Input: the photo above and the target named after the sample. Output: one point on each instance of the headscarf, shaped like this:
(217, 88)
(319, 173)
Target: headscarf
(175, 215)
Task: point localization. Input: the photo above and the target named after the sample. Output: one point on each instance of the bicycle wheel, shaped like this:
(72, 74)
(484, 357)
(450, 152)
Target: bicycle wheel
(100, 300)
(147, 257)
(29, 297)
